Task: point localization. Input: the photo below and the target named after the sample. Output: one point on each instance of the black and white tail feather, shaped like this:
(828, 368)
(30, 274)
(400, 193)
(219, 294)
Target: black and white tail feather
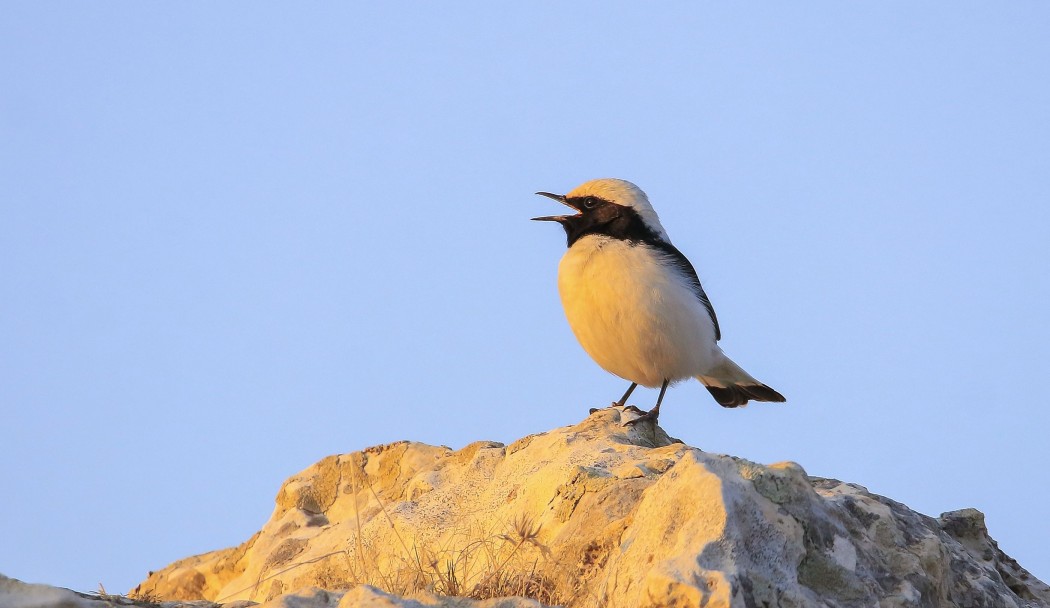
(731, 386)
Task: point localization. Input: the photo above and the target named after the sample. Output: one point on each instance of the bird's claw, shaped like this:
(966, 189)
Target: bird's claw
(652, 415)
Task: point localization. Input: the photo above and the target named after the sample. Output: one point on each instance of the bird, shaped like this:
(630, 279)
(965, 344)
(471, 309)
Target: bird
(634, 301)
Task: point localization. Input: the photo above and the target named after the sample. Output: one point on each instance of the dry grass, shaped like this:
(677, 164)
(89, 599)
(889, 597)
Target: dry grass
(473, 563)
(116, 599)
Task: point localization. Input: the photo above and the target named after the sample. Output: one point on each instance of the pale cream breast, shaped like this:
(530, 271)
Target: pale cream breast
(632, 314)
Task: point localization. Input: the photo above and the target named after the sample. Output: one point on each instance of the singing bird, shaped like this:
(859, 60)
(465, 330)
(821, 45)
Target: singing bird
(634, 301)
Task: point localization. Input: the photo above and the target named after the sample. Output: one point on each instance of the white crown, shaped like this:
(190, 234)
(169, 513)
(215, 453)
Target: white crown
(622, 192)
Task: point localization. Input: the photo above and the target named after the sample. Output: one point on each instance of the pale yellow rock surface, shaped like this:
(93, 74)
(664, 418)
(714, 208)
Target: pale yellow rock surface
(597, 514)
(365, 596)
(17, 594)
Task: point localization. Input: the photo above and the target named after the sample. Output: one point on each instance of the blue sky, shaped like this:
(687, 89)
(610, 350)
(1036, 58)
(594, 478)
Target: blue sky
(239, 237)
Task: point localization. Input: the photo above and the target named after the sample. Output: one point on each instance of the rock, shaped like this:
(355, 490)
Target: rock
(16, 594)
(596, 514)
(365, 596)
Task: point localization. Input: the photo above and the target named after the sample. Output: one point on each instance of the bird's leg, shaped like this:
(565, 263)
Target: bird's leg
(654, 413)
(623, 400)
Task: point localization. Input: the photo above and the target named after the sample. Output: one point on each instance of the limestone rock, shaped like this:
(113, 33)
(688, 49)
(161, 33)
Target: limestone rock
(16, 594)
(365, 596)
(598, 514)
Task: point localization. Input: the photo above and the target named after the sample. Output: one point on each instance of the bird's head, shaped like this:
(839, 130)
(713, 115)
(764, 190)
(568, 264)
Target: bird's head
(611, 207)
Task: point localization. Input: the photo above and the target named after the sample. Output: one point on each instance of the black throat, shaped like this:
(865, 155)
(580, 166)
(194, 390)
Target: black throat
(608, 219)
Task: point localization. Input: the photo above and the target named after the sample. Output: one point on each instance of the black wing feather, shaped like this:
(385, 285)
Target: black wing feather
(682, 264)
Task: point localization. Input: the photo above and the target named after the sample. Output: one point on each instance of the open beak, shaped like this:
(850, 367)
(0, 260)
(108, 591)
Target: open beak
(554, 218)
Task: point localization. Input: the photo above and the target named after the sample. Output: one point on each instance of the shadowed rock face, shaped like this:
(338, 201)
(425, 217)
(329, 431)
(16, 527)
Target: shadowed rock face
(598, 514)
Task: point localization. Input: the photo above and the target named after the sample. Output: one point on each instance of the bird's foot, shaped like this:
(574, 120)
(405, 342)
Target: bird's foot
(616, 404)
(652, 415)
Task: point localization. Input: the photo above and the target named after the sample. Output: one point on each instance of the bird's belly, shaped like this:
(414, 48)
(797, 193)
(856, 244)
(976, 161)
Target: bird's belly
(633, 315)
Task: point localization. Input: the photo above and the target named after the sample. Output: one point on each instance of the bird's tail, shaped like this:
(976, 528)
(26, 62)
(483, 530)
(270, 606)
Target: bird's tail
(731, 386)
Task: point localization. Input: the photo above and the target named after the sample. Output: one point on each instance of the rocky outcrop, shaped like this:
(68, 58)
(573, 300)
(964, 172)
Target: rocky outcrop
(16, 594)
(600, 514)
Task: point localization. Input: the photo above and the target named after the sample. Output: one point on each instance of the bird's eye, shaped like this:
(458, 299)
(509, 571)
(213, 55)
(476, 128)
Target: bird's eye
(590, 202)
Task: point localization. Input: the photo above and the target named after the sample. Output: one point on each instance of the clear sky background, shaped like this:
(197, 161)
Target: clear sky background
(238, 237)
